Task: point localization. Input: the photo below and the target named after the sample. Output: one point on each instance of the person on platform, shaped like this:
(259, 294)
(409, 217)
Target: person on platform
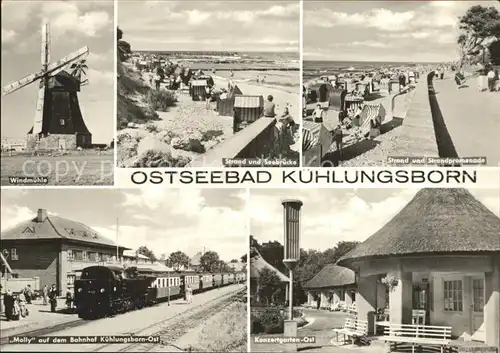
(8, 302)
(69, 299)
(53, 298)
(269, 107)
(16, 310)
(23, 310)
(318, 114)
(189, 294)
(491, 79)
(28, 294)
(45, 294)
(338, 136)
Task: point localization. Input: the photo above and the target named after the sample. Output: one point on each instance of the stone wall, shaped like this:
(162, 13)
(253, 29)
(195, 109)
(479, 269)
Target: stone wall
(51, 142)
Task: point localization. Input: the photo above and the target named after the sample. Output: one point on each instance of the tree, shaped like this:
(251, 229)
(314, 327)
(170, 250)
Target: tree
(479, 26)
(143, 250)
(243, 258)
(494, 49)
(78, 71)
(233, 261)
(268, 286)
(210, 262)
(124, 49)
(178, 260)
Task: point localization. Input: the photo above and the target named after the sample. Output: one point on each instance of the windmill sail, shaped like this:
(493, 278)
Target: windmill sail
(38, 122)
(54, 68)
(45, 59)
(14, 86)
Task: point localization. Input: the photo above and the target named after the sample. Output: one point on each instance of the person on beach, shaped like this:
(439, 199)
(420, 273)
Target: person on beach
(189, 294)
(231, 75)
(338, 136)
(208, 97)
(28, 294)
(258, 79)
(263, 79)
(269, 107)
(157, 82)
(318, 114)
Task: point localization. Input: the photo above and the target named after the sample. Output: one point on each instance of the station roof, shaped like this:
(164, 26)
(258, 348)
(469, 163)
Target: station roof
(46, 226)
(331, 276)
(435, 221)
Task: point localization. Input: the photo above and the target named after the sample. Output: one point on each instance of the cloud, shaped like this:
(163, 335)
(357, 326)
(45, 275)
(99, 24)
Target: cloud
(8, 35)
(11, 216)
(100, 77)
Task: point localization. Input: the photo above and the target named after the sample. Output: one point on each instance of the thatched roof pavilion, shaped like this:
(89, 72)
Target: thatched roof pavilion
(442, 221)
(258, 264)
(331, 276)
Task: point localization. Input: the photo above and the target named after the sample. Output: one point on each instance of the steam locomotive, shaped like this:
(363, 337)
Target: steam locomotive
(109, 290)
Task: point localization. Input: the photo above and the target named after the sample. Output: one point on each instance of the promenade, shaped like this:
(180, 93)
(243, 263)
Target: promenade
(472, 119)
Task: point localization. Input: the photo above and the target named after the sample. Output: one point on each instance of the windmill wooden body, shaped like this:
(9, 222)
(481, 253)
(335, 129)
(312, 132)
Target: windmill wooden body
(58, 121)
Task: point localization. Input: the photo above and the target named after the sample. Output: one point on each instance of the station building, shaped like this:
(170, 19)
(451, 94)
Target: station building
(440, 254)
(55, 249)
(330, 287)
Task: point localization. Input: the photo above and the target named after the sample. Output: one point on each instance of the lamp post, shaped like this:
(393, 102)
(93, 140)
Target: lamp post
(291, 218)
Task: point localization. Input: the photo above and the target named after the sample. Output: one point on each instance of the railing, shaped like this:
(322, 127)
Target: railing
(255, 140)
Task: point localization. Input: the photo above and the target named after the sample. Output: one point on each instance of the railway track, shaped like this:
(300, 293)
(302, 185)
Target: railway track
(173, 328)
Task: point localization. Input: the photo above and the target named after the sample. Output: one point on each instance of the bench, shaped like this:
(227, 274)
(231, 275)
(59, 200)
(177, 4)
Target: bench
(417, 336)
(353, 329)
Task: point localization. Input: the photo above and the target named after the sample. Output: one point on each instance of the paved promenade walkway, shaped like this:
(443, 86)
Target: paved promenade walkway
(472, 119)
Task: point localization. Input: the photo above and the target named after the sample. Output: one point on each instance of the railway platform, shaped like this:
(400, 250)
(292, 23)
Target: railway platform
(39, 318)
(123, 324)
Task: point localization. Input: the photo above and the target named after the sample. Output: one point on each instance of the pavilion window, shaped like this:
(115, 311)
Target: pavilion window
(478, 288)
(71, 255)
(84, 255)
(453, 296)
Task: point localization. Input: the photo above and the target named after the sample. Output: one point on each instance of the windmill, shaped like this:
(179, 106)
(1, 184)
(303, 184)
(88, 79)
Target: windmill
(58, 119)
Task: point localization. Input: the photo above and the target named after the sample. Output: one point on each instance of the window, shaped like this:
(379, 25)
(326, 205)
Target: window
(62, 122)
(453, 296)
(78, 255)
(70, 280)
(13, 254)
(92, 256)
(71, 255)
(84, 255)
(478, 288)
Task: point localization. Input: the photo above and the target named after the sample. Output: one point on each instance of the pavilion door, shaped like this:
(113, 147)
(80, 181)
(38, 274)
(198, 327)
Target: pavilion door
(478, 333)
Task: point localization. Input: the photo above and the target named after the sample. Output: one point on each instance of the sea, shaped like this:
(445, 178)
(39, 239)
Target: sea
(314, 69)
(257, 56)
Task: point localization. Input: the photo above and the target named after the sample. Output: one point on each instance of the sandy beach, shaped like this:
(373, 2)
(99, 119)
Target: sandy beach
(189, 129)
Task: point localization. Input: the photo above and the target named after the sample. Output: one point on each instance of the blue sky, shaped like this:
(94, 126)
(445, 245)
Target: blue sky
(421, 31)
(164, 220)
(74, 24)
(332, 215)
(210, 25)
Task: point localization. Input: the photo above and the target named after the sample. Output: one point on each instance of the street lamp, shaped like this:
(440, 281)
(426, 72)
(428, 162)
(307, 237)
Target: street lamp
(291, 217)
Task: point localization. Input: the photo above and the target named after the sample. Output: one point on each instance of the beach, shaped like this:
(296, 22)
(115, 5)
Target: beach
(188, 129)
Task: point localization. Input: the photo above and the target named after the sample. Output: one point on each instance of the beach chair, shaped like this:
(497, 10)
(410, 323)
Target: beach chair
(459, 80)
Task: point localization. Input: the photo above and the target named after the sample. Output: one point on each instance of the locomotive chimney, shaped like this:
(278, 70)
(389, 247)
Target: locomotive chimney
(291, 215)
(41, 215)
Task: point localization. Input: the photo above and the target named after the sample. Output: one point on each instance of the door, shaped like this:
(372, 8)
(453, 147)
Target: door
(478, 333)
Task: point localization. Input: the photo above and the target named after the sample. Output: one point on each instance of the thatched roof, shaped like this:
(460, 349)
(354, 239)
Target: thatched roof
(257, 264)
(435, 221)
(331, 276)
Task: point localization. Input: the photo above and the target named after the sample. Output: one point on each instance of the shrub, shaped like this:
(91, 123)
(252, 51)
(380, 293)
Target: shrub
(270, 321)
(161, 100)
